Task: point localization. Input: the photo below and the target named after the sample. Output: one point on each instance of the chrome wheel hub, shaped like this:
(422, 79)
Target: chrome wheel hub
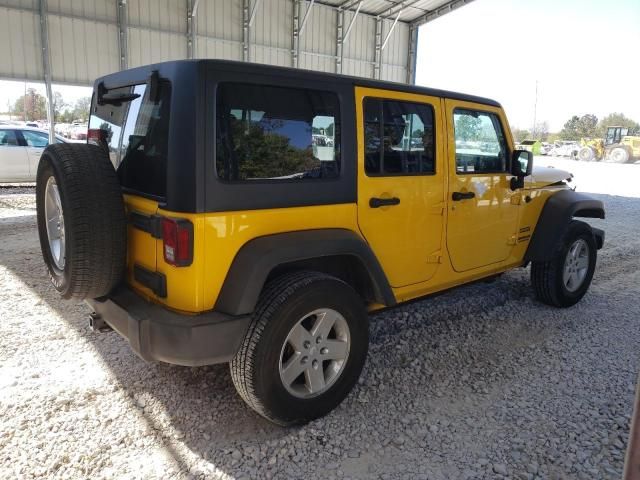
(55, 223)
(576, 265)
(315, 353)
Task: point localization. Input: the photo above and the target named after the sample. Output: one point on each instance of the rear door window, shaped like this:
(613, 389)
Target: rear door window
(35, 139)
(273, 133)
(136, 134)
(399, 138)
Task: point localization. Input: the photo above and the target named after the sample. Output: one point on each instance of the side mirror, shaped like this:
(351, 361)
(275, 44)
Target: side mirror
(521, 166)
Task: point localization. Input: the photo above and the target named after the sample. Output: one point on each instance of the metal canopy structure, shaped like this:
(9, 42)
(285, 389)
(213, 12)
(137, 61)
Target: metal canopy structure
(74, 42)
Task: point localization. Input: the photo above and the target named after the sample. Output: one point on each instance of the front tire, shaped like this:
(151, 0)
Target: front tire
(564, 280)
(586, 154)
(305, 348)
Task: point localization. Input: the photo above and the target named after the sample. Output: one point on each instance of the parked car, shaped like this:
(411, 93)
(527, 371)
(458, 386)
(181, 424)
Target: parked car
(60, 128)
(565, 148)
(235, 243)
(20, 151)
(545, 148)
(78, 132)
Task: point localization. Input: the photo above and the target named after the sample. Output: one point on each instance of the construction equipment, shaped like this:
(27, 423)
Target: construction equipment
(619, 146)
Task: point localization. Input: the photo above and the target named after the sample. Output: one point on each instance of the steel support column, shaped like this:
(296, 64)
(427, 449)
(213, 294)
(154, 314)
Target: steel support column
(339, 39)
(245, 30)
(122, 34)
(190, 30)
(377, 59)
(412, 54)
(46, 67)
(295, 34)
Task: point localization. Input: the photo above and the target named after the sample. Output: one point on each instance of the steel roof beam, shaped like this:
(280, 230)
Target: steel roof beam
(398, 7)
(393, 26)
(254, 10)
(306, 17)
(438, 12)
(352, 22)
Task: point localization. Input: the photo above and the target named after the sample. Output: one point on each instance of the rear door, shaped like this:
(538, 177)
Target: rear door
(35, 143)
(483, 210)
(134, 133)
(401, 181)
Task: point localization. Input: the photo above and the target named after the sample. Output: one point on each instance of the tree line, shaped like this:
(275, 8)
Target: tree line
(32, 106)
(577, 127)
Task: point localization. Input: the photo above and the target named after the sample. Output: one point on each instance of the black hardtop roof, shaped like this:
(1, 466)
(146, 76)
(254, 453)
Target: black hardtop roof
(137, 74)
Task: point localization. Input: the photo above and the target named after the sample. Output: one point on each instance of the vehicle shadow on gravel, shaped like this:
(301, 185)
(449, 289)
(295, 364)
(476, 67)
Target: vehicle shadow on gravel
(198, 407)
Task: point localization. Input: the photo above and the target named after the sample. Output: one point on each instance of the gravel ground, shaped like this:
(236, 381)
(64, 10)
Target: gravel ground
(480, 382)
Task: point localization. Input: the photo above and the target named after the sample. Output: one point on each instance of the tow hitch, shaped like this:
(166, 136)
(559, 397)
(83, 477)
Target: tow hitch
(97, 324)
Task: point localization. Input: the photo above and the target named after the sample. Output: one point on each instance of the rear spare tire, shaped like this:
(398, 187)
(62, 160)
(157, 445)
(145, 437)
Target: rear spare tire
(81, 220)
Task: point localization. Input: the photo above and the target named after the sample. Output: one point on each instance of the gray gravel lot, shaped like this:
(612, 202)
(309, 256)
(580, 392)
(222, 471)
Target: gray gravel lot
(480, 382)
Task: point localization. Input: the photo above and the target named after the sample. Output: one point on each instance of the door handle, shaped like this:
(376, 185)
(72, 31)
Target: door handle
(376, 202)
(457, 196)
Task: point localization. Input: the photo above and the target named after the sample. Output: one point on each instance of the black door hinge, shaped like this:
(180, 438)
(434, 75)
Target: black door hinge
(151, 224)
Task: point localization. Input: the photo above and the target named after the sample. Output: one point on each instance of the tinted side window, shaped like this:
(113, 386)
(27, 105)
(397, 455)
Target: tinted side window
(136, 133)
(276, 133)
(35, 139)
(480, 142)
(8, 138)
(399, 138)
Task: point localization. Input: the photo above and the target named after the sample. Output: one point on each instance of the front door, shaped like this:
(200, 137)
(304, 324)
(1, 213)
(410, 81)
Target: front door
(483, 210)
(14, 162)
(401, 179)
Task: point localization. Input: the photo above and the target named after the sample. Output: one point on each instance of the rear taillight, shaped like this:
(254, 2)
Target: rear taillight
(177, 239)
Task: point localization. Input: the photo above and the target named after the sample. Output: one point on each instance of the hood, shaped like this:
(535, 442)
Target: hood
(542, 176)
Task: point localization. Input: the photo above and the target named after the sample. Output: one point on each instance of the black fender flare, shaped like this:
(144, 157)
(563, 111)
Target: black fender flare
(258, 257)
(554, 219)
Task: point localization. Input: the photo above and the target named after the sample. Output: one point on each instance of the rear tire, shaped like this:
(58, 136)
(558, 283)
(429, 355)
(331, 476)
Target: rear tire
(619, 155)
(90, 260)
(287, 315)
(564, 280)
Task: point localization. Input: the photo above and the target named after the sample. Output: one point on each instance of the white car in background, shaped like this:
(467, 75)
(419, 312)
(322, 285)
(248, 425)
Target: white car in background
(78, 132)
(20, 151)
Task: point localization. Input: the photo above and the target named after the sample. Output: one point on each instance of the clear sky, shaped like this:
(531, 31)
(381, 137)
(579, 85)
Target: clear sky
(585, 55)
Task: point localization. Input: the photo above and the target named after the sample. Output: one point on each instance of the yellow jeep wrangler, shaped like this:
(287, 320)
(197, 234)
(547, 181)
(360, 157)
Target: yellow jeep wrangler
(231, 212)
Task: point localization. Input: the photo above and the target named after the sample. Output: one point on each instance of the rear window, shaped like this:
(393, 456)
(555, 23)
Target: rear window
(273, 133)
(136, 135)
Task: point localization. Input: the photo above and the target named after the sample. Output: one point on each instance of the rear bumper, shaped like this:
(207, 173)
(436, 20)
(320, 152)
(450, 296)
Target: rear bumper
(155, 333)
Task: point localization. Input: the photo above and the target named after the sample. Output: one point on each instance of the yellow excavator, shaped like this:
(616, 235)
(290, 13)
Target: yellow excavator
(619, 146)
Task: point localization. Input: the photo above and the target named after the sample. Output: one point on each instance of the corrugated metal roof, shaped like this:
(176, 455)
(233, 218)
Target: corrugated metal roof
(89, 38)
